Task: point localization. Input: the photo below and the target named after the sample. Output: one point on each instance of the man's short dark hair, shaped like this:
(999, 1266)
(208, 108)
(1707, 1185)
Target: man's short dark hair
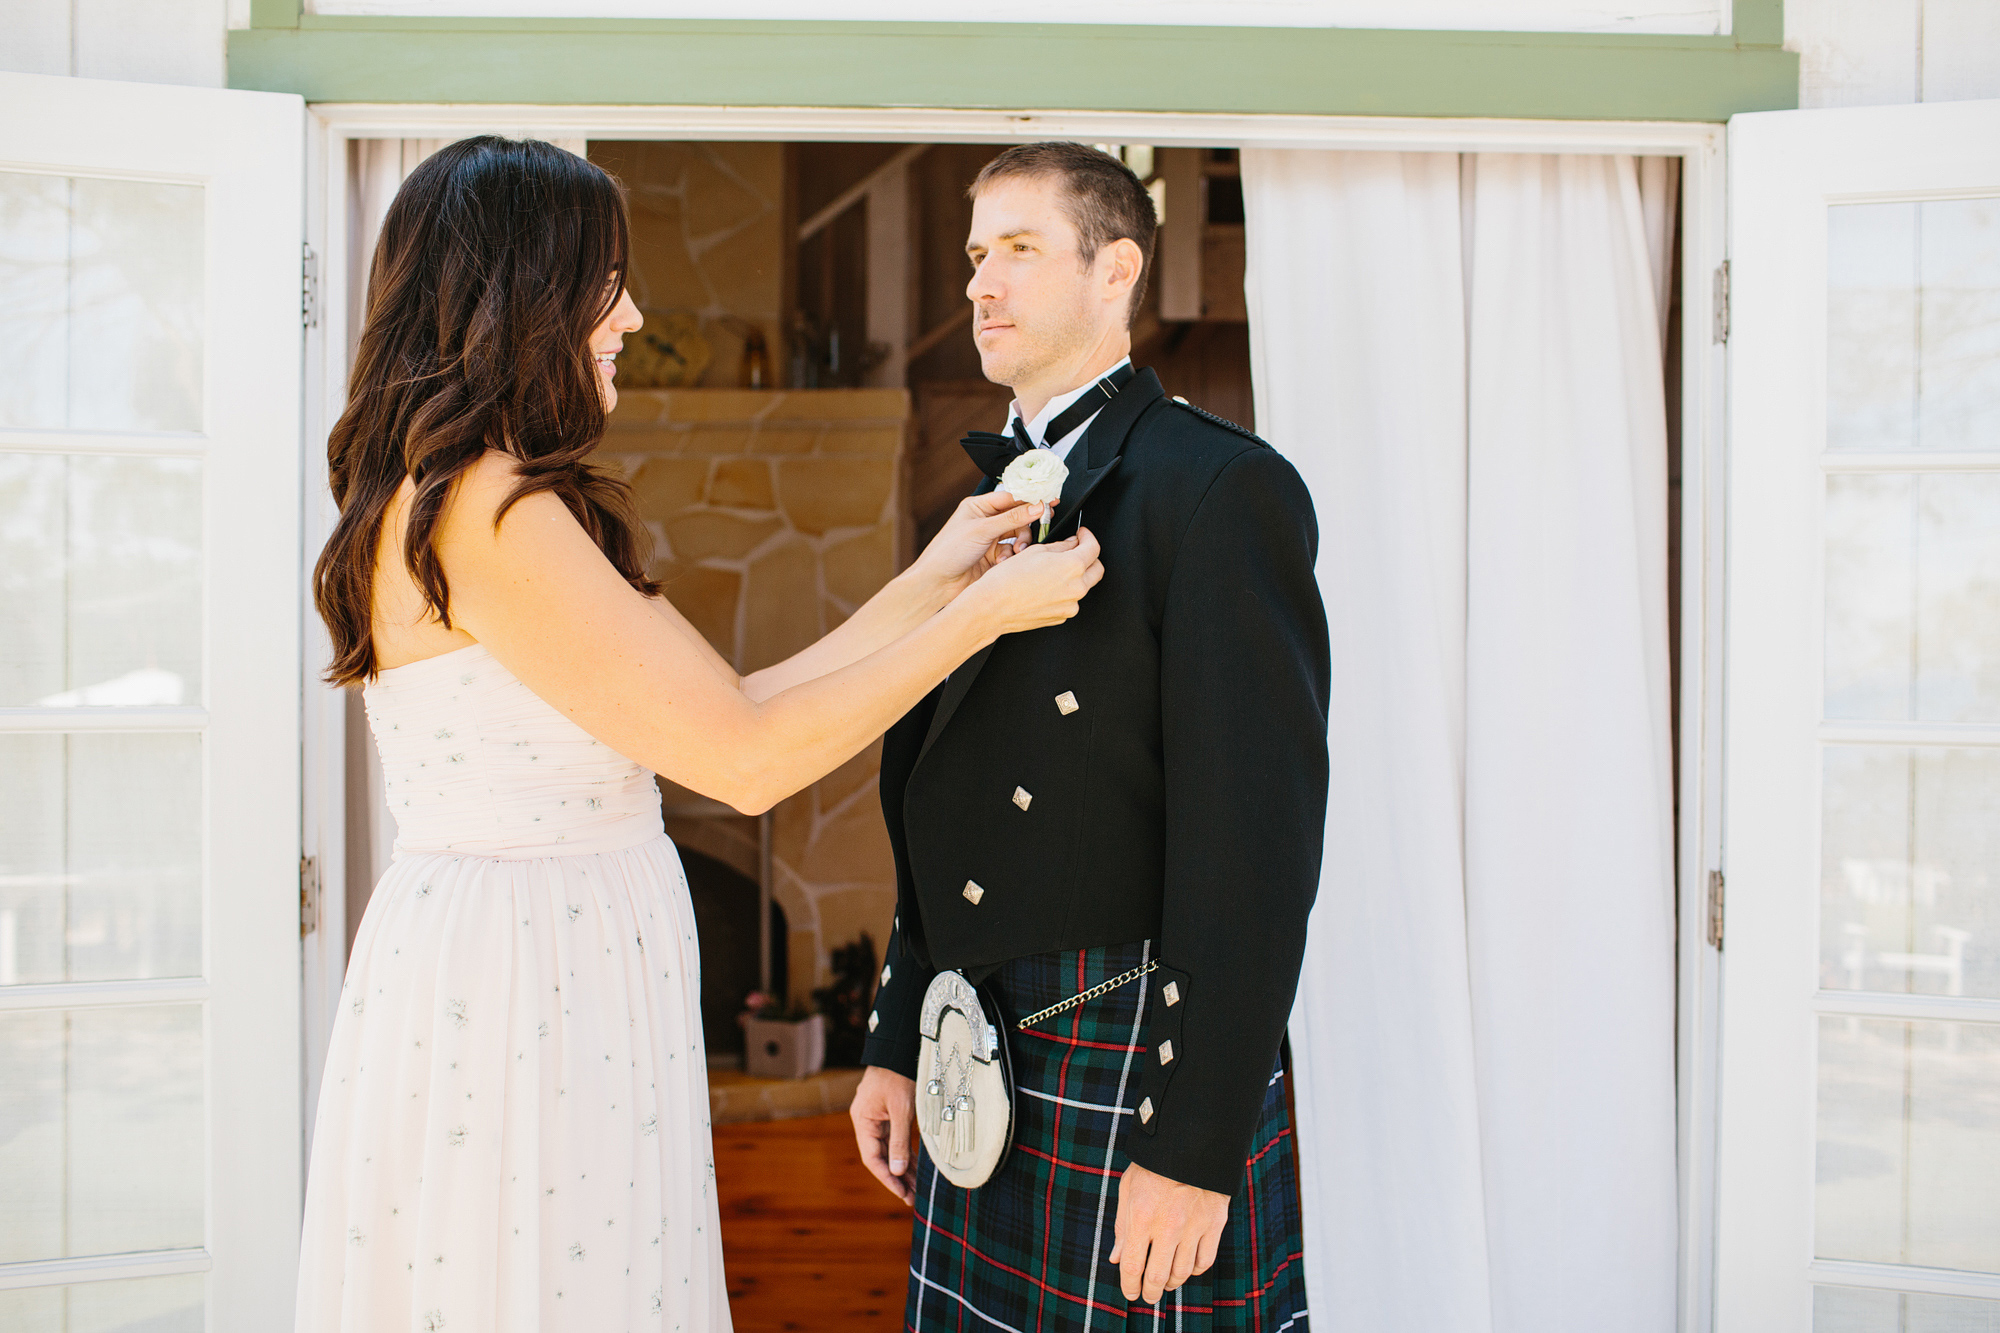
(1104, 200)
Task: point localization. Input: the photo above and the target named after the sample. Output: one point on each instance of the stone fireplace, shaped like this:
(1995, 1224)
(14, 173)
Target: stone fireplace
(774, 515)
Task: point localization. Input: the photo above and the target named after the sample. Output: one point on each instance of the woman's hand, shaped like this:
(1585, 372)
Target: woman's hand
(970, 543)
(1039, 586)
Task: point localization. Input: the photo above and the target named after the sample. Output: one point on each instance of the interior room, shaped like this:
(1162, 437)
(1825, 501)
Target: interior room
(789, 417)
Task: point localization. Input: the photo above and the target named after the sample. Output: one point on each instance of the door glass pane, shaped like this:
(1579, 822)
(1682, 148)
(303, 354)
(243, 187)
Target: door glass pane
(102, 1147)
(1856, 1310)
(1913, 597)
(1910, 870)
(1909, 1143)
(100, 580)
(100, 857)
(133, 1305)
(1913, 325)
(102, 282)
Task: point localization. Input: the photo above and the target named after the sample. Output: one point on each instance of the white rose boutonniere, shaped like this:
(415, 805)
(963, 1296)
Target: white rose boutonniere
(1036, 477)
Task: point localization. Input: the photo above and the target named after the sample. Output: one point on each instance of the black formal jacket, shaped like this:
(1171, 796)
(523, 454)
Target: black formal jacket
(1169, 744)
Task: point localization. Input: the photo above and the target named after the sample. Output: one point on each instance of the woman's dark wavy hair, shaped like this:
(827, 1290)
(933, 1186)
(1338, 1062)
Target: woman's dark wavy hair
(497, 260)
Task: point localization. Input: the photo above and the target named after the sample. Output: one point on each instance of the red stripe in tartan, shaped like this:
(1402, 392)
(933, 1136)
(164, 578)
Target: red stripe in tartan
(1046, 1289)
(1049, 1194)
(1051, 1157)
(965, 1225)
(1257, 1310)
(1078, 1041)
(1276, 1139)
(1266, 1288)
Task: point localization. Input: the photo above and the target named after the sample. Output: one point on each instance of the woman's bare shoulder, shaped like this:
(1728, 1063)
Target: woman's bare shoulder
(473, 511)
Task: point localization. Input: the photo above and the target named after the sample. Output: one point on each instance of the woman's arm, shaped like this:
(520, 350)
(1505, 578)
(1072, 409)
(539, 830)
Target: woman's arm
(541, 597)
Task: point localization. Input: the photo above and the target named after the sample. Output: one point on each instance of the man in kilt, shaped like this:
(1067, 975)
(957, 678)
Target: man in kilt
(1118, 820)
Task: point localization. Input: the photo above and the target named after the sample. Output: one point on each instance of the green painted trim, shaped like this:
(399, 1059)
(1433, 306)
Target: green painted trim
(1300, 71)
(1758, 22)
(287, 13)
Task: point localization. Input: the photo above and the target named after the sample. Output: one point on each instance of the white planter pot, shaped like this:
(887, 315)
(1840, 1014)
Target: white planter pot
(777, 1049)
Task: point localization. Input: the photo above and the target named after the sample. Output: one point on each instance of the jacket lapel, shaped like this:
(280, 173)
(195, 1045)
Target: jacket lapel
(1103, 443)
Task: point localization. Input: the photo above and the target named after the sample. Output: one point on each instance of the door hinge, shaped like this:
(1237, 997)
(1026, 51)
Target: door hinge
(308, 895)
(308, 287)
(1715, 887)
(1721, 302)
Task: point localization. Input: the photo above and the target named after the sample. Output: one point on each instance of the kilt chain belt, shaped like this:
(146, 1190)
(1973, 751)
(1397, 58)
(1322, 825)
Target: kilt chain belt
(1101, 988)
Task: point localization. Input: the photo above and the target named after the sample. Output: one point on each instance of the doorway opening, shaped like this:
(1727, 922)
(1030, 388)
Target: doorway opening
(789, 473)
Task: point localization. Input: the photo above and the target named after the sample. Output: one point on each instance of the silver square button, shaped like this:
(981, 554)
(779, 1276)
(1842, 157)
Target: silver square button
(1166, 1052)
(1146, 1111)
(1172, 990)
(885, 974)
(874, 1021)
(973, 893)
(1022, 797)
(1066, 703)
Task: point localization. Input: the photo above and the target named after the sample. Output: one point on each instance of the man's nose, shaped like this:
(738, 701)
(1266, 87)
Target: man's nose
(982, 287)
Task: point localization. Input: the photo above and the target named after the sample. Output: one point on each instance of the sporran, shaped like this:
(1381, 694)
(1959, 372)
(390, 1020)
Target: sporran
(965, 1086)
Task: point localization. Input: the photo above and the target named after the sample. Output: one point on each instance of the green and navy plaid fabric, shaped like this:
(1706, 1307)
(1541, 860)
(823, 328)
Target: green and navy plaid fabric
(1028, 1251)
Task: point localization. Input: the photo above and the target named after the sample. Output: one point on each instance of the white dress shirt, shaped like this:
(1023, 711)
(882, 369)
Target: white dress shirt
(1052, 411)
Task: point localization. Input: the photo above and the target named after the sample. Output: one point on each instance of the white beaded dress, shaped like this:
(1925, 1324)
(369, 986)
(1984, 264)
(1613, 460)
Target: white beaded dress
(513, 1131)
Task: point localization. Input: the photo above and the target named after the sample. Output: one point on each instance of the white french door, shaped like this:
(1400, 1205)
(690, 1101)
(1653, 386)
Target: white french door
(149, 706)
(1859, 1144)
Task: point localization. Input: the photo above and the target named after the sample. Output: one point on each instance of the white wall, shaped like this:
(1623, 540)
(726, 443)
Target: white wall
(1878, 52)
(142, 41)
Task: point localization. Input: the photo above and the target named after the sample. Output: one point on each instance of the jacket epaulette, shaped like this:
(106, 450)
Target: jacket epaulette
(1223, 422)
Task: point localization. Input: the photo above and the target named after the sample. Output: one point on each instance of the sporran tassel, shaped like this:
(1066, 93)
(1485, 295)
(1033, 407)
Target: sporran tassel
(961, 1129)
(930, 1106)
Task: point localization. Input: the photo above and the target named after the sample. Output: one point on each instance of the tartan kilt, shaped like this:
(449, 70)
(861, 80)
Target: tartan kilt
(1028, 1250)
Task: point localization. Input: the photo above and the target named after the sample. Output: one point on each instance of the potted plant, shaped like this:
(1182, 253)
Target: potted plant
(846, 1002)
(781, 1040)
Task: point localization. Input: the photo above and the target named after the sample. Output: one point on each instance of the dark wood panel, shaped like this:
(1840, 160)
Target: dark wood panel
(1208, 364)
(940, 473)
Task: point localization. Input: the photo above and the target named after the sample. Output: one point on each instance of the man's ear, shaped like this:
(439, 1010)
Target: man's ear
(1123, 260)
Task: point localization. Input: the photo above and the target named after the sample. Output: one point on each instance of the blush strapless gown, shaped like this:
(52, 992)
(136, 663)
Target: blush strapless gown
(513, 1131)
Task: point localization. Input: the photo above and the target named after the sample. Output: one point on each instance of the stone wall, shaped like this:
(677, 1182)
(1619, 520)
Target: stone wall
(708, 237)
(774, 516)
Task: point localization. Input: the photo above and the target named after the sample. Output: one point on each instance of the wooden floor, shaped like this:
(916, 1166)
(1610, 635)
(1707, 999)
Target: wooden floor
(811, 1240)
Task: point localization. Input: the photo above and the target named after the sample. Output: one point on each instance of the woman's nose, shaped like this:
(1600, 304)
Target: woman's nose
(625, 318)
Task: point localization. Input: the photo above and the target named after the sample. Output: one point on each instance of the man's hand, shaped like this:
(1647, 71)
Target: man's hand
(1166, 1232)
(885, 1114)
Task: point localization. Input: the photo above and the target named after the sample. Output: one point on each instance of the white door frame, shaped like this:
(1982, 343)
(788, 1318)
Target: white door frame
(1703, 445)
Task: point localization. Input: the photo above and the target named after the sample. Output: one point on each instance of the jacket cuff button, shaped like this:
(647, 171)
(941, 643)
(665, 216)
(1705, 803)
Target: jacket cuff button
(1167, 1052)
(874, 1021)
(1146, 1111)
(973, 893)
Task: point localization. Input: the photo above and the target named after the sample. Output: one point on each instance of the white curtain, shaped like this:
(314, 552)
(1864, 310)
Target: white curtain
(1463, 357)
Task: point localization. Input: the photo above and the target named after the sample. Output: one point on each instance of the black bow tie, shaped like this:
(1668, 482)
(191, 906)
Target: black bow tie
(991, 453)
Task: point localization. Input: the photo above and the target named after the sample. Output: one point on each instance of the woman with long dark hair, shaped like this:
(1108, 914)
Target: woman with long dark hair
(513, 1125)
